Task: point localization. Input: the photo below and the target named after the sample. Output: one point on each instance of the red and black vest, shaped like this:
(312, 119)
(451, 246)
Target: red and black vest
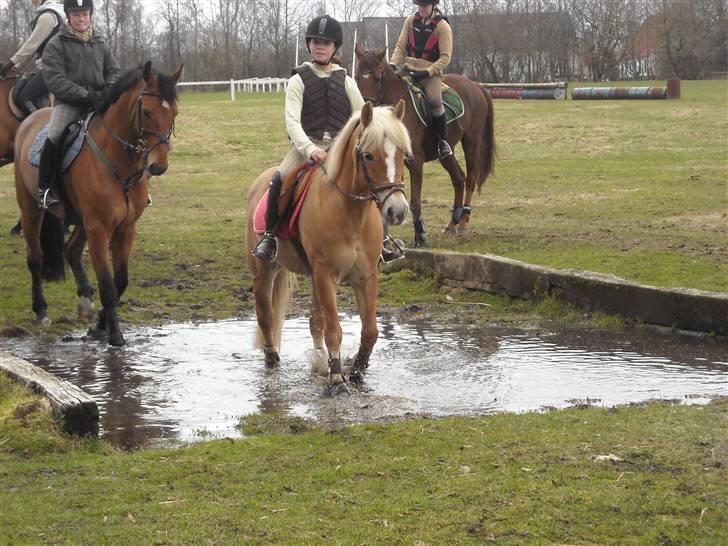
(326, 106)
(422, 41)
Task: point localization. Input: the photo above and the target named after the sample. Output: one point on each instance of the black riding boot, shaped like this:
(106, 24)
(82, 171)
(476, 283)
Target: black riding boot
(34, 94)
(266, 248)
(443, 147)
(47, 175)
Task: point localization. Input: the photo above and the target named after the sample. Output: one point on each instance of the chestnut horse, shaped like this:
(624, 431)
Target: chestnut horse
(380, 84)
(340, 230)
(104, 189)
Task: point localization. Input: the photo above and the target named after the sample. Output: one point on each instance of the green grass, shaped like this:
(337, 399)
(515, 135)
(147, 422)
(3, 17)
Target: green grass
(507, 478)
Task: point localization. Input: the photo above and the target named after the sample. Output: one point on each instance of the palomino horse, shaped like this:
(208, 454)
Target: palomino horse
(380, 84)
(340, 230)
(8, 122)
(105, 191)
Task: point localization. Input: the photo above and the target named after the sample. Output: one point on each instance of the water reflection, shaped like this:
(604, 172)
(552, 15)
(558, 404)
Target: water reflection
(185, 382)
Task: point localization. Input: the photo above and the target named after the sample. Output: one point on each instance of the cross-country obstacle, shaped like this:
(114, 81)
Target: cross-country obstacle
(542, 91)
(670, 91)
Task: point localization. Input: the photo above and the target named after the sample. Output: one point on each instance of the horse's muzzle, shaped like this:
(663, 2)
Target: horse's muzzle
(396, 211)
(157, 169)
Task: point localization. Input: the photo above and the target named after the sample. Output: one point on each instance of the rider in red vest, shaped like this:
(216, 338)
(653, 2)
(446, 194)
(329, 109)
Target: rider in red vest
(424, 47)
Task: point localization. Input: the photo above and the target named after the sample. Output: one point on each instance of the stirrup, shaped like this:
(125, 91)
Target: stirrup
(47, 199)
(267, 247)
(444, 149)
(388, 255)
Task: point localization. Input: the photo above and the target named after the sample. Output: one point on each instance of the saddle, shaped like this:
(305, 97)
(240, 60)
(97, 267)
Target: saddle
(454, 107)
(19, 110)
(293, 195)
(72, 142)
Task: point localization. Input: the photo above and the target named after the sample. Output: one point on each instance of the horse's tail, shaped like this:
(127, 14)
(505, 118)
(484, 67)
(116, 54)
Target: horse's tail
(282, 286)
(487, 165)
(51, 242)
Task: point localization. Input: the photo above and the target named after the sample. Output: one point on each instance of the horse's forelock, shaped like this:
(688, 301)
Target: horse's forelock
(167, 87)
(383, 126)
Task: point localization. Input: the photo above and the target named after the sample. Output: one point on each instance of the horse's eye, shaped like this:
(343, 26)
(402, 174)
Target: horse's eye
(147, 114)
(368, 156)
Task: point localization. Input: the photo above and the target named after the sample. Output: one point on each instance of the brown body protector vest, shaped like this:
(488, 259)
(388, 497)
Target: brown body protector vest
(422, 42)
(326, 106)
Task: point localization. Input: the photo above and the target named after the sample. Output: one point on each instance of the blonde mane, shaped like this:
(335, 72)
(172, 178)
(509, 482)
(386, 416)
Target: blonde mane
(384, 126)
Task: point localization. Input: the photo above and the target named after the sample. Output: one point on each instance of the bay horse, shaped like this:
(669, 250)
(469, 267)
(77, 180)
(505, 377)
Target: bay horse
(104, 192)
(340, 228)
(379, 83)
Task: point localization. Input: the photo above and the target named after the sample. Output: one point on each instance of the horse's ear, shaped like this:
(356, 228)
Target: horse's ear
(147, 71)
(398, 109)
(177, 74)
(380, 54)
(359, 50)
(367, 114)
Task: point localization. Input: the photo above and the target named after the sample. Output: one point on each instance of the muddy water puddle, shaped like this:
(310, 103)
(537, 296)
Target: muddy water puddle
(187, 382)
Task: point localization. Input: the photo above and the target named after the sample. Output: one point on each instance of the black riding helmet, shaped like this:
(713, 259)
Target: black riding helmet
(325, 27)
(425, 2)
(76, 5)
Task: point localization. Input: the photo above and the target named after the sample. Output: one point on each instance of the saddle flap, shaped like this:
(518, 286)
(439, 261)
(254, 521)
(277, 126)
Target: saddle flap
(451, 100)
(18, 112)
(73, 138)
(293, 195)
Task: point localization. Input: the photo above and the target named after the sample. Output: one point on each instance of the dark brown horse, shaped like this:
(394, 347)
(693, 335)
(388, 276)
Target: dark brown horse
(380, 84)
(341, 230)
(9, 123)
(105, 191)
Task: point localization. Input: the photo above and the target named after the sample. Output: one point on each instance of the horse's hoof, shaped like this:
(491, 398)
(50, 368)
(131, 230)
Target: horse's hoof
(116, 340)
(43, 322)
(356, 377)
(85, 309)
(339, 388)
(272, 358)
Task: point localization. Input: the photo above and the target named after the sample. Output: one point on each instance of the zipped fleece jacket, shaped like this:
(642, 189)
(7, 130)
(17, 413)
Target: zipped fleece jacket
(72, 68)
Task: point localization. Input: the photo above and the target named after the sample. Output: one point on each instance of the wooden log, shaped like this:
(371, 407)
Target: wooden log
(76, 410)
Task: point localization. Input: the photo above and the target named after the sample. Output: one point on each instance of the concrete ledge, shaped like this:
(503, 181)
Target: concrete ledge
(77, 411)
(685, 309)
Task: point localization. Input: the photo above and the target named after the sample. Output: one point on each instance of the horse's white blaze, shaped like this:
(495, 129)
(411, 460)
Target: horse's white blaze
(165, 104)
(365, 75)
(390, 153)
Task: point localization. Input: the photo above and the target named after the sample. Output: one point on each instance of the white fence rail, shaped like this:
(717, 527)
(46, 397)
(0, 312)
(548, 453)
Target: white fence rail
(248, 84)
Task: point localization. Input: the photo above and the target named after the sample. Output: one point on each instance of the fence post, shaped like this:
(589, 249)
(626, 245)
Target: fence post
(232, 90)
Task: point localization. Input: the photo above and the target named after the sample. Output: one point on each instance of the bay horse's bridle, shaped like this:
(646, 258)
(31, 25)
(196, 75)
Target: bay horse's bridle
(372, 188)
(141, 146)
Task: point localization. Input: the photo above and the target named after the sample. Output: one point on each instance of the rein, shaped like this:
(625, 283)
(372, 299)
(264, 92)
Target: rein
(372, 189)
(140, 147)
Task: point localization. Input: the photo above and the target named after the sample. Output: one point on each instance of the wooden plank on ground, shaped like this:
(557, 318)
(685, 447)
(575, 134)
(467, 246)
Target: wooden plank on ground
(77, 411)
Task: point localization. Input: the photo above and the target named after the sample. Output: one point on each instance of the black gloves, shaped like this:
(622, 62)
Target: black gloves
(92, 99)
(4, 69)
(419, 75)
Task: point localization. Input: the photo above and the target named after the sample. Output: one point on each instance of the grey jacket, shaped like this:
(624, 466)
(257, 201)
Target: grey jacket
(73, 68)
